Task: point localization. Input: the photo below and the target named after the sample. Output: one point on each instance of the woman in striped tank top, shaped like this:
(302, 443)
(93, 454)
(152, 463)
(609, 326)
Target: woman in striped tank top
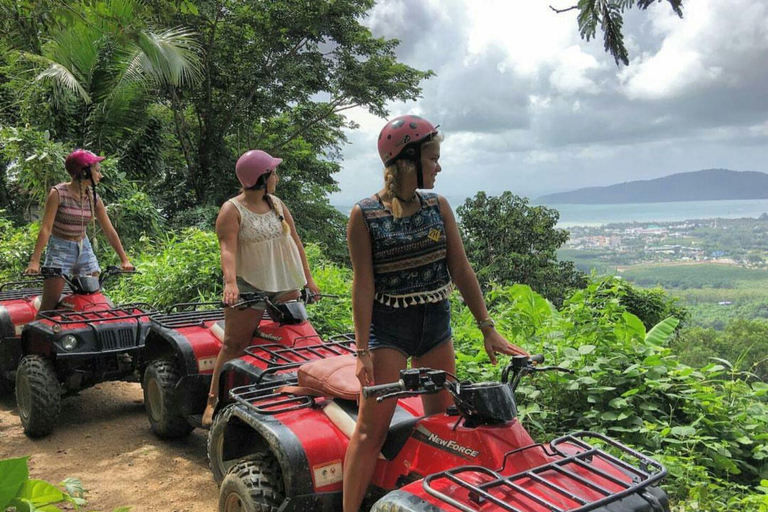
(406, 254)
(68, 210)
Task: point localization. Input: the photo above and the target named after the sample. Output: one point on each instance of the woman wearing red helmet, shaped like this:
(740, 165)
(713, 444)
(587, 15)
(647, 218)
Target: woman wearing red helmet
(260, 252)
(407, 254)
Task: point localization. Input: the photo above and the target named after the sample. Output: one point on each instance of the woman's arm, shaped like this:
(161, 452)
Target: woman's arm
(227, 228)
(111, 234)
(304, 262)
(359, 243)
(46, 225)
(466, 281)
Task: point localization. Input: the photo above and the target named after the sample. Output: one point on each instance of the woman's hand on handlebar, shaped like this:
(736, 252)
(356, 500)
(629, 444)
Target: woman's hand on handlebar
(32, 269)
(314, 290)
(496, 344)
(231, 294)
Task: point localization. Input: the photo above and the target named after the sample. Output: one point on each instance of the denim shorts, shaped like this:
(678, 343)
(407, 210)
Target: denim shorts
(414, 330)
(73, 258)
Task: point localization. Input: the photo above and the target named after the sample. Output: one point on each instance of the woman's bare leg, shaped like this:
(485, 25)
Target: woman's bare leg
(371, 430)
(239, 326)
(52, 288)
(441, 357)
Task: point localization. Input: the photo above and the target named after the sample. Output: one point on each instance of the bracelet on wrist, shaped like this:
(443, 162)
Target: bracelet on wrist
(488, 322)
(363, 352)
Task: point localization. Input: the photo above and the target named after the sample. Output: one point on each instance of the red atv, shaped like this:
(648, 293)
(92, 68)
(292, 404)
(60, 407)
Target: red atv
(475, 457)
(19, 303)
(182, 347)
(84, 341)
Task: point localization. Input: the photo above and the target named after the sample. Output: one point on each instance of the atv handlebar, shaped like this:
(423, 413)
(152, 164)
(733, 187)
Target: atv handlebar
(420, 381)
(111, 270)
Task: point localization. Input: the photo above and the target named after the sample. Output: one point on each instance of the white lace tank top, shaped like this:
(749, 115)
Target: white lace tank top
(267, 258)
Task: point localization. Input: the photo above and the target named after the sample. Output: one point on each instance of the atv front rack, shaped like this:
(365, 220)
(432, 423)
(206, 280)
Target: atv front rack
(64, 317)
(279, 359)
(582, 478)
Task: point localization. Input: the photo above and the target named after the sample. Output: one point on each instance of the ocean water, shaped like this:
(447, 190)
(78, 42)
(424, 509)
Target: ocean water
(599, 214)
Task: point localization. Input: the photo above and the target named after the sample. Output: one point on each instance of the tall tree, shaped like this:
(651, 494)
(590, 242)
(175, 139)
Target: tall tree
(509, 241)
(278, 75)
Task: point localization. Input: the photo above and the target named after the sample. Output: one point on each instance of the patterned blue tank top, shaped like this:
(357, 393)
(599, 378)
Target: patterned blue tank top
(409, 254)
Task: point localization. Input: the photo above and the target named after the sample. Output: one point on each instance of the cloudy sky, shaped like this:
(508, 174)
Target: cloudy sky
(527, 106)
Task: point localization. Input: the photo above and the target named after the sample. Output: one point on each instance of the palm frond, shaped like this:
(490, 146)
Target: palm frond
(59, 75)
(171, 56)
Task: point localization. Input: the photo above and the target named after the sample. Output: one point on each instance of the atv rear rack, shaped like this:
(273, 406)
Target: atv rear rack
(267, 398)
(264, 397)
(544, 487)
(179, 319)
(25, 288)
(187, 314)
(280, 359)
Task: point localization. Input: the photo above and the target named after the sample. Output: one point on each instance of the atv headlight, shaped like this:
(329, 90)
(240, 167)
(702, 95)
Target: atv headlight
(69, 342)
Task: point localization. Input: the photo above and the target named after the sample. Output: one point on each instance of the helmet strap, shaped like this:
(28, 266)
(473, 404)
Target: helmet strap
(419, 174)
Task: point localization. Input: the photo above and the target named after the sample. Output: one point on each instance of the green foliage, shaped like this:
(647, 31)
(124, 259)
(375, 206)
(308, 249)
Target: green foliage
(19, 493)
(608, 14)
(706, 424)
(743, 343)
(179, 267)
(509, 241)
(30, 164)
(16, 245)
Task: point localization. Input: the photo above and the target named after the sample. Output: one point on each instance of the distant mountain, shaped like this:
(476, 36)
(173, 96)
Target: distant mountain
(706, 185)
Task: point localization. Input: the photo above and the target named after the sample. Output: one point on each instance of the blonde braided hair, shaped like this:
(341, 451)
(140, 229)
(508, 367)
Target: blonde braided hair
(394, 172)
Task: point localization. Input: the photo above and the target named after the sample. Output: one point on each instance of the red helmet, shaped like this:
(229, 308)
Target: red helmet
(401, 132)
(252, 164)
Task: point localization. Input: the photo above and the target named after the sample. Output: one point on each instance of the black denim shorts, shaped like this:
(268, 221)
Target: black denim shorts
(414, 330)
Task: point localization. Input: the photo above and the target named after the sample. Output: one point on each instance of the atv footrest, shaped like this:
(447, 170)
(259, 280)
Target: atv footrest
(579, 478)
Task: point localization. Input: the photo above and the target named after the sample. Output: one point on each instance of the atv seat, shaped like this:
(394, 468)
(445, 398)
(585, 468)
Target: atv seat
(343, 414)
(217, 329)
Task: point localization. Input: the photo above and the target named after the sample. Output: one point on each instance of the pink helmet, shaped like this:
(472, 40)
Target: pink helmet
(79, 159)
(400, 132)
(252, 164)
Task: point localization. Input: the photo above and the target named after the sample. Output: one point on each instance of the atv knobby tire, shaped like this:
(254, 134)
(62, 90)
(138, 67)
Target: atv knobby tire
(253, 485)
(161, 400)
(215, 445)
(38, 395)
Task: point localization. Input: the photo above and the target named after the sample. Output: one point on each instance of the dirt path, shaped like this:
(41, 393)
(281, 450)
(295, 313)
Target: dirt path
(103, 438)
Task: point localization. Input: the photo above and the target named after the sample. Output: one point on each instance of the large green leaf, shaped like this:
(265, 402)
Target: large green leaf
(13, 474)
(661, 332)
(40, 493)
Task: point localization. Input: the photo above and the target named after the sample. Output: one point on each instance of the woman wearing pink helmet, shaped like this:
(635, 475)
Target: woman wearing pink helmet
(406, 254)
(260, 251)
(69, 208)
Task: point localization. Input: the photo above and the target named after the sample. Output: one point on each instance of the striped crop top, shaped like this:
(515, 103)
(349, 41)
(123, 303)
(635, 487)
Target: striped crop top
(409, 254)
(73, 216)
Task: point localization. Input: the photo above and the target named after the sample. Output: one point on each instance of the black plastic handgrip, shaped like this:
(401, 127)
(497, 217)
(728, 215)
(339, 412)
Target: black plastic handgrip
(383, 389)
